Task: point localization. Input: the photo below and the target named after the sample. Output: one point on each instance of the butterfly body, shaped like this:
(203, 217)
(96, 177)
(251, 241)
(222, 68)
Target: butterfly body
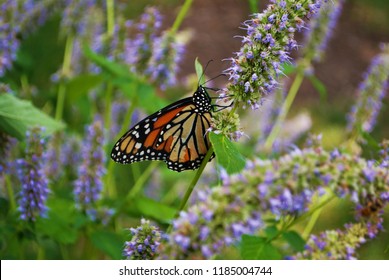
(176, 134)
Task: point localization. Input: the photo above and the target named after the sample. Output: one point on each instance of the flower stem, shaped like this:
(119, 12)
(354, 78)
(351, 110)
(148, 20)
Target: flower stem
(141, 181)
(194, 181)
(64, 72)
(11, 195)
(110, 17)
(315, 216)
(181, 15)
(108, 103)
(110, 189)
(191, 186)
(284, 110)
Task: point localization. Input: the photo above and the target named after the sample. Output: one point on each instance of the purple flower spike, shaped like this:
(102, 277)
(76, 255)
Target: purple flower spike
(269, 40)
(34, 193)
(88, 185)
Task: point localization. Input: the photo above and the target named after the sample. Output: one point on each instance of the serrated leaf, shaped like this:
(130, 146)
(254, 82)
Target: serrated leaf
(108, 242)
(250, 245)
(294, 240)
(199, 71)
(319, 86)
(17, 116)
(227, 155)
(257, 248)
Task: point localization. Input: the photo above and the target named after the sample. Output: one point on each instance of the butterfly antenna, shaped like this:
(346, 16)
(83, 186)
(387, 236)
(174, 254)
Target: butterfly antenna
(205, 69)
(214, 78)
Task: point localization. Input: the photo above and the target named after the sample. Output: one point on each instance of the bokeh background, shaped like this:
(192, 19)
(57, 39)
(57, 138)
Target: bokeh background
(212, 27)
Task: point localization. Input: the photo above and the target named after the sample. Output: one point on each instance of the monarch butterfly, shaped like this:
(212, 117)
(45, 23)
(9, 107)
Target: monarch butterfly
(176, 134)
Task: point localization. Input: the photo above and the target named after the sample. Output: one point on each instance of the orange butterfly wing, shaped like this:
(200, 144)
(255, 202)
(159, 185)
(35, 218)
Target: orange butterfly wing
(177, 134)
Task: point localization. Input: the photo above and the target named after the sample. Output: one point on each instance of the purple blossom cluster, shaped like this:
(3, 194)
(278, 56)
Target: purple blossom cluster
(6, 145)
(320, 30)
(82, 24)
(119, 109)
(152, 55)
(8, 41)
(334, 244)
(279, 188)
(75, 11)
(139, 50)
(363, 115)
(61, 156)
(19, 17)
(163, 64)
(89, 185)
(144, 242)
(270, 38)
(30, 170)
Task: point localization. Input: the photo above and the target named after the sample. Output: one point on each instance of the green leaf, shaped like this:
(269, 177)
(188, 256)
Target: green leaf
(108, 242)
(107, 65)
(288, 68)
(60, 223)
(80, 85)
(135, 88)
(257, 248)
(294, 240)
(143, 206)
(227, 155)
(370, 141)
(139, 92)
(319, 86)
(17, 116)
(199, 71)
(271, 232)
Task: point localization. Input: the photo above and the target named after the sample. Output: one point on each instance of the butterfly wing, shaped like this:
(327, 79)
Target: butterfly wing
(177, 134)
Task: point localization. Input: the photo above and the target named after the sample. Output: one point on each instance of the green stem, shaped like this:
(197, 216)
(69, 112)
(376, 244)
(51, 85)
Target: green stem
(110, 185)
(11, 195)
(108, 104)
(109, 91)
(253, 5)
(110, 17)
(64, 251)
(135, 190)
(141, 181)
(284, 110)
(65, 71)
(41, 252)
(315, 216)
(311, 212)
(181, 15)
(192, 185)
(195, 180)
(25, 85)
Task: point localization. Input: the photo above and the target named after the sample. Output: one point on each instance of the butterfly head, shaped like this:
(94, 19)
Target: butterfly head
(201, 100)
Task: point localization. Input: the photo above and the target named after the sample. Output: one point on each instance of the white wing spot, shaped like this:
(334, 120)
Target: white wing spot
(138, 145)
